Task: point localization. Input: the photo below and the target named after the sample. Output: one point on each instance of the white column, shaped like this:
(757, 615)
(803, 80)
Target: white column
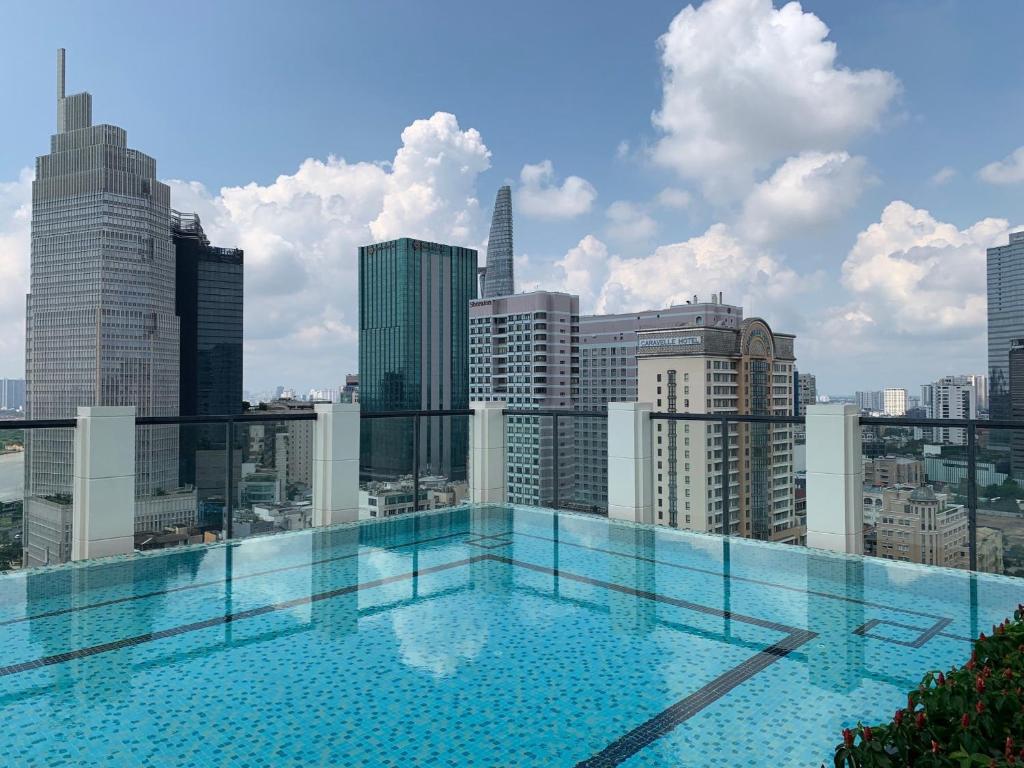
(487, 468)
(630, 480)
(835, 479)
(103, 494)
(336, 463)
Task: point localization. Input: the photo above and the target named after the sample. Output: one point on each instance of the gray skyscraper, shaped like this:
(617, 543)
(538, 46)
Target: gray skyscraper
(498, 277)
(1005, 320)
(100, 322)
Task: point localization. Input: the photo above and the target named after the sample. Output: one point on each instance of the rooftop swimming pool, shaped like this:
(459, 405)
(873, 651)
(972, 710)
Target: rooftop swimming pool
(477, 636)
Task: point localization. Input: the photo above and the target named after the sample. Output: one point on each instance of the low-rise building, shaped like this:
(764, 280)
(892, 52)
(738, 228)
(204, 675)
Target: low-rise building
(893, 470)
(919, 526)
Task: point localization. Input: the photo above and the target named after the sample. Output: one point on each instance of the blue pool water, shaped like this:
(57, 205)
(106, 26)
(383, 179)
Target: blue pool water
(485, 636)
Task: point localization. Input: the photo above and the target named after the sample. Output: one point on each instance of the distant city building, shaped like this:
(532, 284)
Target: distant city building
(12, 394)
(350, 392)
(1005, 272)
(806, 392)
(919, 526)
(1015, 392)
(745, 370)
(980, 382)
(927, 398)
(893, 470)
(953, 397)
(414, 353)
(524, 350)
(894, 401)
(100, 320)
(208, 302)
(498, 276)
(608, 347)
(873, 401)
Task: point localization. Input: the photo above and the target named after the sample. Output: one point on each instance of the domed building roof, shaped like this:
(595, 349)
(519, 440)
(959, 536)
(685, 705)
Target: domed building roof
(924, 493)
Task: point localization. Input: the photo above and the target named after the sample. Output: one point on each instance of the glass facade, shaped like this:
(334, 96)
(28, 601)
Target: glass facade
(1005, 318)
(499, 278)
(100, 322)
(414, 351)
(208, 302)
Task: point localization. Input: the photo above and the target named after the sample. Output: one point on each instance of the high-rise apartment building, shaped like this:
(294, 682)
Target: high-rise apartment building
(1005, 319)
(414, 353)
(608, 347)
(894, 401)
(524, 350)
(746, 370)
(12, 394)
(806, 392)
(208, 302)
(871, 401)
(100, 320)
(953, 397)
(498, 277)
(980, 382)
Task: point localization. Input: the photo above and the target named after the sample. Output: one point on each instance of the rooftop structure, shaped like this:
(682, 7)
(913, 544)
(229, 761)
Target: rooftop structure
(498, 275)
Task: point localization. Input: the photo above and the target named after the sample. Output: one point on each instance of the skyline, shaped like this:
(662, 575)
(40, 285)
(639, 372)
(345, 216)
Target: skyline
(814, 213)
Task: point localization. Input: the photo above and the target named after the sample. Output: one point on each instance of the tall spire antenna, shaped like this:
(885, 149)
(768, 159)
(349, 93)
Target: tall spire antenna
(60, 73)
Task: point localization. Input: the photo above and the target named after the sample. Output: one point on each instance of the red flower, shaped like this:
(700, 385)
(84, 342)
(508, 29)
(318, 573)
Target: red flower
(941, 679)
(898, 717)
(847, 737)
(979, 685)
(979, 707)
(965, 721)
(866, 733)
(920, 720)
(935, 747)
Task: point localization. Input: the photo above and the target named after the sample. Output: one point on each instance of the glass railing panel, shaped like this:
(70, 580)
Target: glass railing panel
(274, 470)
(172, 463)
(586, 444)
(392, 451)
(444, 463)
(915, 494)
(36, 472)
(999, 482)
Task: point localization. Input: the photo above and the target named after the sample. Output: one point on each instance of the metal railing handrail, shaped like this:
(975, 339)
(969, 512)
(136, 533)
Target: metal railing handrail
(733, 417)
(555, 412)
(902, 421)
(37, 423)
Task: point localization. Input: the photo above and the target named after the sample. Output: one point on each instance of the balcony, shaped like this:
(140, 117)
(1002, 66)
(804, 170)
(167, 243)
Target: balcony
(562, 637)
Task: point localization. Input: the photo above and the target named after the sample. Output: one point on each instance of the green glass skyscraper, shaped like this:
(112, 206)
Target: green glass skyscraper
(414, 353)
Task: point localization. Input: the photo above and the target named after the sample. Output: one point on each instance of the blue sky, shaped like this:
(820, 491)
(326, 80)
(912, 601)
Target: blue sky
(782, 191)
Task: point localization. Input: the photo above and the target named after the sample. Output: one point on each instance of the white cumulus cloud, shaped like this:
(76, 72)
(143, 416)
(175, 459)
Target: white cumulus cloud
(301, 234)
(670, 197)
(1009, 170)
(807, 191)
(913, 274)
(540, 196)
(629, 222)
(714, 261)
(15, 220)
(746, 85)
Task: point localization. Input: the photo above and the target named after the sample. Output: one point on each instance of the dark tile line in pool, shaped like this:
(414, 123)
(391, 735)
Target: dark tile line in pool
(669, 719)
(732, 577)
(678, 602)
(924, 633)
(214, 582)
(114, 645)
